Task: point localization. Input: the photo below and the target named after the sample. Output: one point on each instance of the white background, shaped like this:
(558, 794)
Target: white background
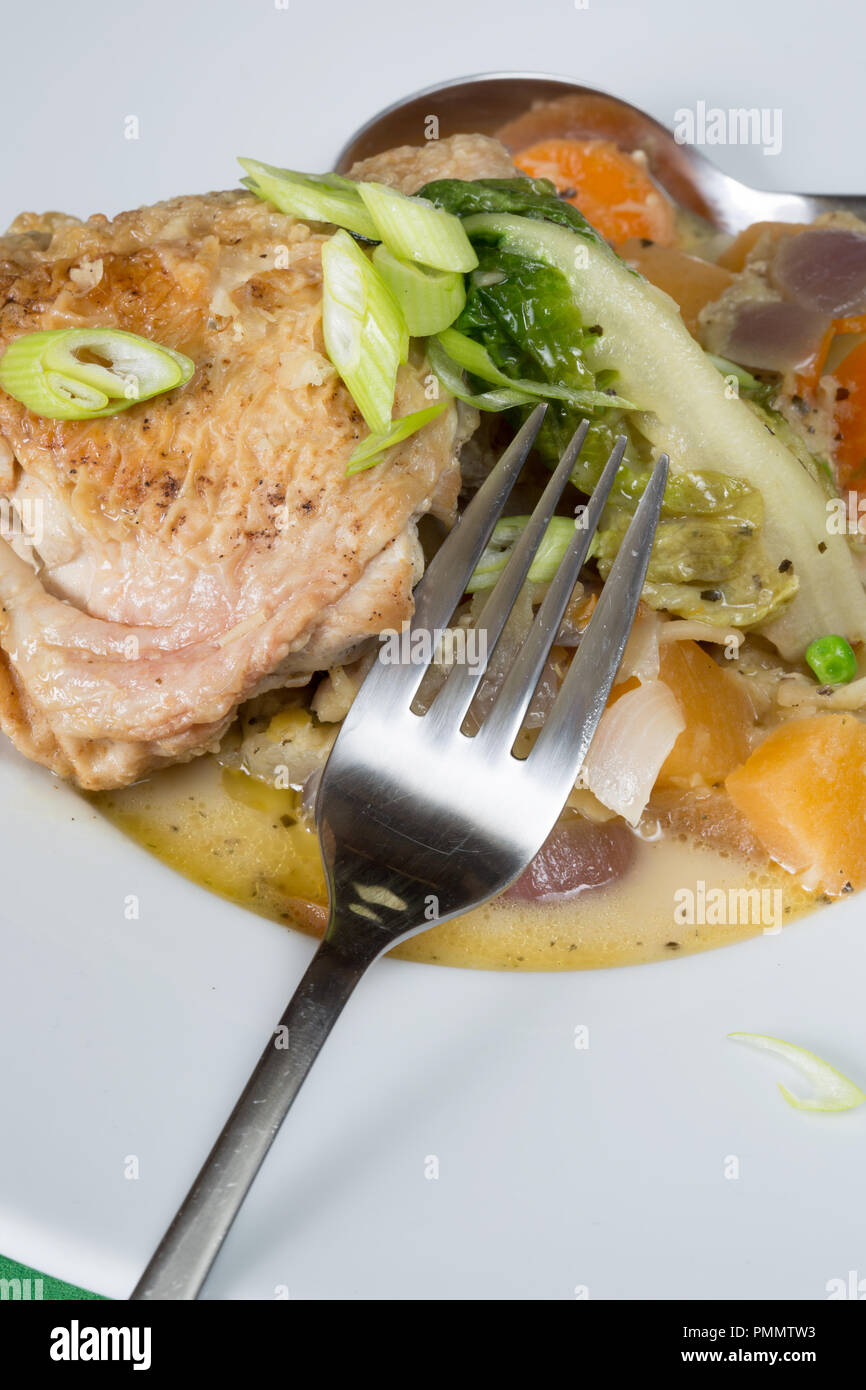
(559, 1168)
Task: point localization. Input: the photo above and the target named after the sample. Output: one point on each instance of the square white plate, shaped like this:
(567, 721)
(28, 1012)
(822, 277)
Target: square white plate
(607, 1169)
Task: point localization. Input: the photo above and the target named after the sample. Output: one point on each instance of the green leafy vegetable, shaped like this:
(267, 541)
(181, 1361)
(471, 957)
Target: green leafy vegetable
(506, 533)
(87, 373)
(833, 1091)
(313, 197)
(793, 580)
(370, 450)
(475, 359)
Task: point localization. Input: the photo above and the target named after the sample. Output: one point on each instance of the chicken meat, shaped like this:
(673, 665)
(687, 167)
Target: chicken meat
(163, 565)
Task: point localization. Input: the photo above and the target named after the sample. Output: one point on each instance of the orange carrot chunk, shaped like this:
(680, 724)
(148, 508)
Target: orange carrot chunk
(803, 791)
(718, 715)
(850, 416)
(612, 189)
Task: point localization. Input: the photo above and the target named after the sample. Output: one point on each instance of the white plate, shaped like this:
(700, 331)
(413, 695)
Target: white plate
(559, 1169)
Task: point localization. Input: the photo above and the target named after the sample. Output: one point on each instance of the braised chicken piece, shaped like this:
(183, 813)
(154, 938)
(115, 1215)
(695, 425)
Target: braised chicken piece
(205, 546)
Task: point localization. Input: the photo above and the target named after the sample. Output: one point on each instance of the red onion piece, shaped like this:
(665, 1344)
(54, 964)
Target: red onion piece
(823, 269)
(777, 336)
(578, 855)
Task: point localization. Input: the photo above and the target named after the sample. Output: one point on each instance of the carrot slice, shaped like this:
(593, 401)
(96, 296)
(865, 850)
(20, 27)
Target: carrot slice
(850, 415)
(612, 189)
(803, 791)
(690, 281)
(718, 715)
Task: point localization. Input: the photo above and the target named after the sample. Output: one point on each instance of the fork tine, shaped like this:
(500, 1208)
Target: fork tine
(564, 740)
(503, 723)
(447, 575)
(455, 697)
(450, 569)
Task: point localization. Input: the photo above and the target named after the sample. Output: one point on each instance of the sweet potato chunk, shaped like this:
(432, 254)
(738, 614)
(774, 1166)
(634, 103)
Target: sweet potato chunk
(803, 791)
(718, 715)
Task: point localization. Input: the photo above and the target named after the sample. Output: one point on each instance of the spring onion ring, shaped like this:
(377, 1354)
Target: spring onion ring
(86, 373)
(430, 299)
(416, 230)
(312, 197)
(365, 333)
(833, 1091)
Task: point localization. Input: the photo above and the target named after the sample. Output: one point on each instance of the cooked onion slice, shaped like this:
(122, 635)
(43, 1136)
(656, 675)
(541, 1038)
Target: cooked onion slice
(632, 741)
(833, 1091)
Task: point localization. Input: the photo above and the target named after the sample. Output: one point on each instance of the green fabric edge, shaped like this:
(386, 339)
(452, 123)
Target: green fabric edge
(56, 1289)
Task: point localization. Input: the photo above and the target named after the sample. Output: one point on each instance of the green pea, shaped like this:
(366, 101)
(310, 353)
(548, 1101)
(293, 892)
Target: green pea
(832, 659)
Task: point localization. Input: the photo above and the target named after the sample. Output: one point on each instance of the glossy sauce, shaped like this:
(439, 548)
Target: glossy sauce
(247, 843)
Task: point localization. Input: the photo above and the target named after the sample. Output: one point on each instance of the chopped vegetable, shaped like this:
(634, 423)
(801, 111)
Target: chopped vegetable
(850, 378)
(365, 333)
(832, 659)
(734, 256)
(371, 449)
(748, 384)
(446, 370)
(506, 533)
(86, 373)
(430, 299)
(634, 737)
(313, 197)
(687, 414)
(473, 358)
(689, 280)
(717, 714)
(833, 1091)
(613, 190)
(416, 230)
(803, 791)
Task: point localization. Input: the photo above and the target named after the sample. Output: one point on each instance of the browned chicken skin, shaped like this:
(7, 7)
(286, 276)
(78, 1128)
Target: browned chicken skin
(204, 546)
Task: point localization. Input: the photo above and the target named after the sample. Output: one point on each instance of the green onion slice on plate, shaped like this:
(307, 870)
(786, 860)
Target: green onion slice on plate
(365, 333)
(312, 197)
(430, 299)
(416, 230)
(832, 1090)
(371, 450)
(86, 373)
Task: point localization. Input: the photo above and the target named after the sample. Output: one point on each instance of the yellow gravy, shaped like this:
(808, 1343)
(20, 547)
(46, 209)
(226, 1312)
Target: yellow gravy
(245, 842)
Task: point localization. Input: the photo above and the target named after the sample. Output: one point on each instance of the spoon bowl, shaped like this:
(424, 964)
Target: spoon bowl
(507, 105)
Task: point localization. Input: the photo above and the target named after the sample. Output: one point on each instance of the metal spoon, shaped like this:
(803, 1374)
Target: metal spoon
(494, 103)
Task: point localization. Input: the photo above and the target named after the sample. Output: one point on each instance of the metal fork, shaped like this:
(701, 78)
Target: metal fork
(418, 821)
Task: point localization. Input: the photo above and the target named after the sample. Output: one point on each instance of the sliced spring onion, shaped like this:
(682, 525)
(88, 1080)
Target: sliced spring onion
(472, 357)
(506, 533)
(370, 450)
(451, 377)
(833, 1091)
(430, 299)
(728, 368)
(832, 659)
(365, 333)
(416, 230)
(313, 197)
(85, 373)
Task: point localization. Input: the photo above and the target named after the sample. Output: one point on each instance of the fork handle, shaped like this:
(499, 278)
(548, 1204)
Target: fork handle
(183, 1258)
